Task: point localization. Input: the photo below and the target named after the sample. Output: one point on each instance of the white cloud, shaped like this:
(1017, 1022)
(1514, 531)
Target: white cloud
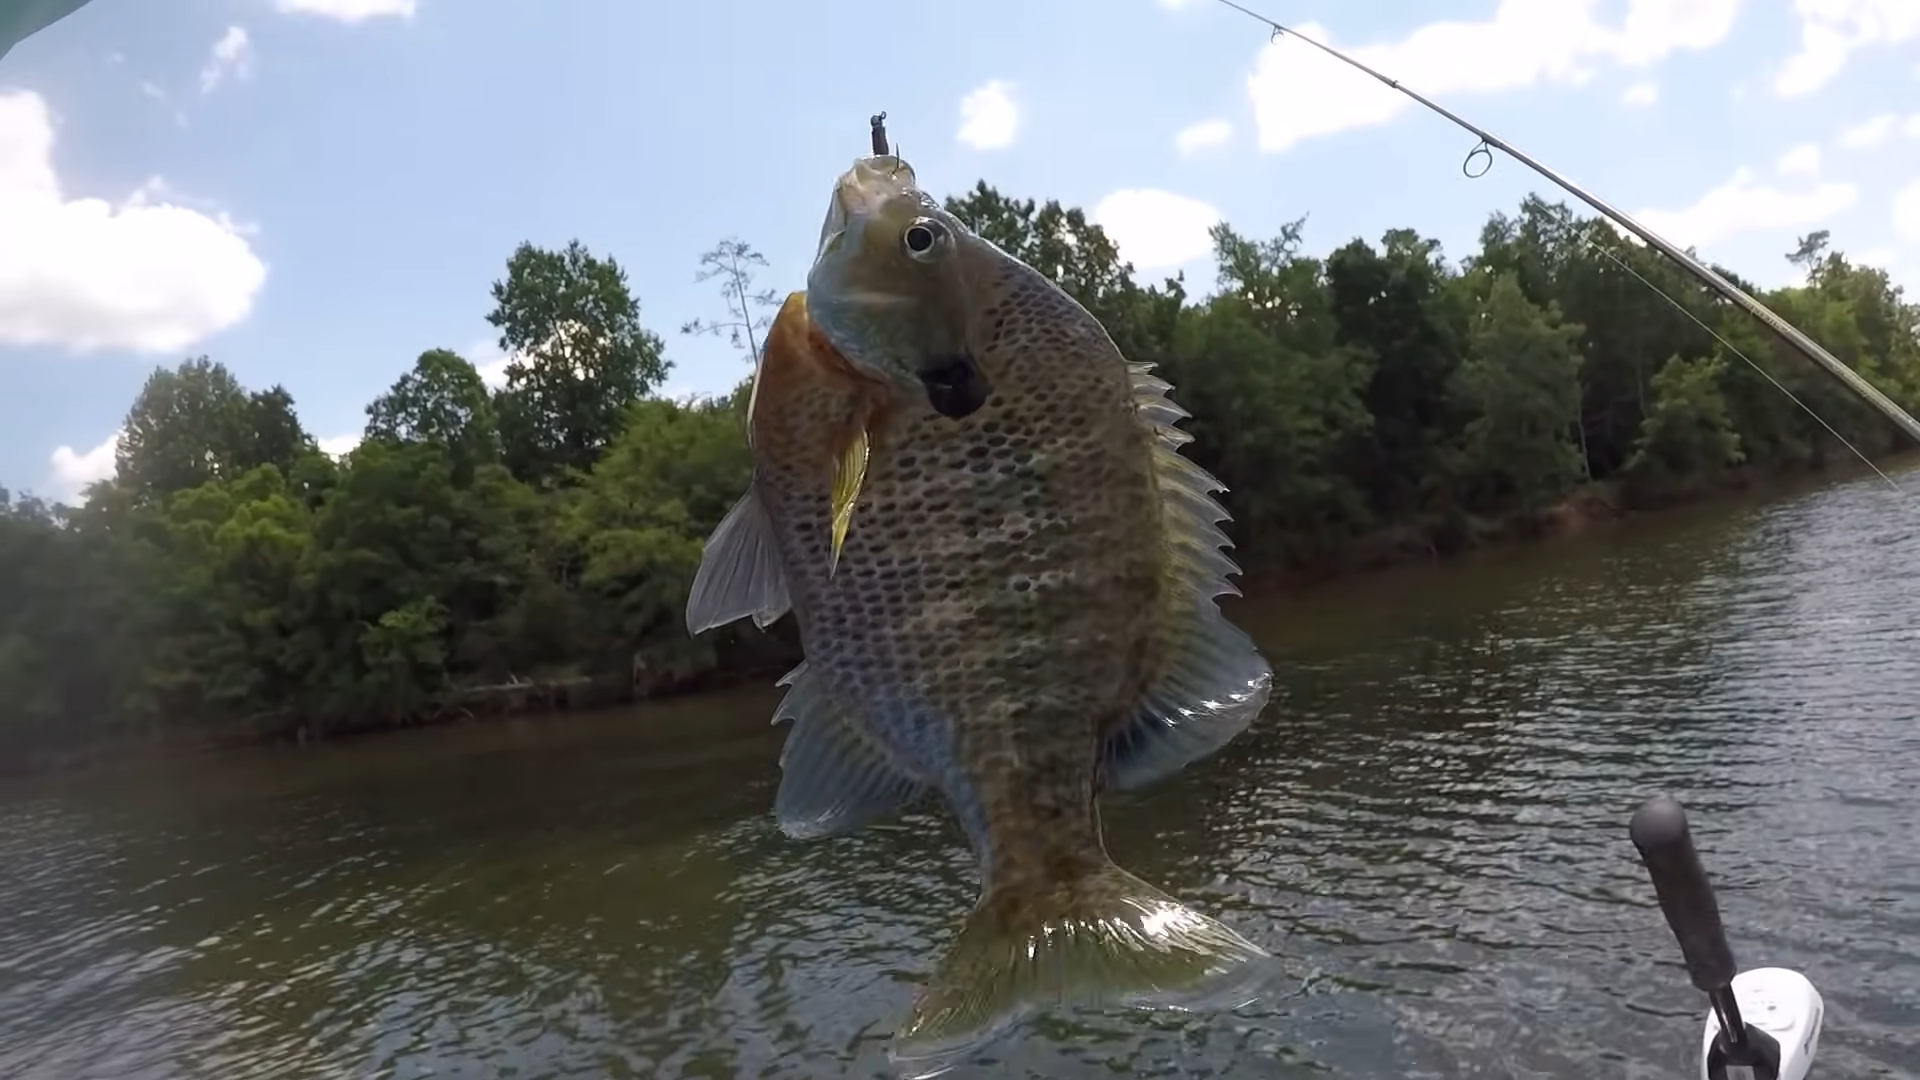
(1831, 30)
(148, 274)
(1869, 133)
(350, 11)
(1156, 230)
(231, 58)
(1881, 257)
(1906, 212)
(1641, 94)
(1743, 205)
(1299, 92)
(494, 372)
(154, 93)
(1177, 5)
(74, 470)
(1203, 135)
(485, 356)
(339, 445)
(1880, 130)
(989, 118)
(1802, 160)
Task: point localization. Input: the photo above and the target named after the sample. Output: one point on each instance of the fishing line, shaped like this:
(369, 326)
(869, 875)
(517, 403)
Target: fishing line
(1488, 143)
(1735, 350)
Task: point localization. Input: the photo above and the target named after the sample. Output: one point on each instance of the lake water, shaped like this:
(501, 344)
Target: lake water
(1430, 824)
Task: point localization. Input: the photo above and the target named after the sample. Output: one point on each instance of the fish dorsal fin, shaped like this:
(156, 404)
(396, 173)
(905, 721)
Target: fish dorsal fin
(740, 571)
(1213, 680)
(835, 779)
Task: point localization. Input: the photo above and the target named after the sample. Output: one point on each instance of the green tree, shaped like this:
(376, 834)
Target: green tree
(443, 401)
(195, 423)
(1689, 433)
(1399, 308)
(1519, 383)
(580, 357)
(233, 583)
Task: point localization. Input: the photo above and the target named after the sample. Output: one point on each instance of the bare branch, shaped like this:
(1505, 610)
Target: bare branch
(733, 261)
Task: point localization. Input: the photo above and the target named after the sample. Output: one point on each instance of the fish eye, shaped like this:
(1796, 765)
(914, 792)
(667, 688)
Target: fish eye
(924, 239)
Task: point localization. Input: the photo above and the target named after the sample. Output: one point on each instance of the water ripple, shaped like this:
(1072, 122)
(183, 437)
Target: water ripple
(1429, 827)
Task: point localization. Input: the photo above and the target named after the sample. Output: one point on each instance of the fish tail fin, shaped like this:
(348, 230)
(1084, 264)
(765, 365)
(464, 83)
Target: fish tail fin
(1103, 938)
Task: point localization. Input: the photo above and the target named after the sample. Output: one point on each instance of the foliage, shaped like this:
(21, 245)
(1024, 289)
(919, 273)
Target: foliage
(234, 582)
(580, 358)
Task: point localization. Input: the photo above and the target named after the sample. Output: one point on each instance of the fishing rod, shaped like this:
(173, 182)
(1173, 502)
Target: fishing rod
(21, 19)
(1489, 142)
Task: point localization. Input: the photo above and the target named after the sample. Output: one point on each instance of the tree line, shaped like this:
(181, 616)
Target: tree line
(232, 582)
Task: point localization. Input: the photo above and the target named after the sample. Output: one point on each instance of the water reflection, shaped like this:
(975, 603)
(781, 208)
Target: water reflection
(1430, 825)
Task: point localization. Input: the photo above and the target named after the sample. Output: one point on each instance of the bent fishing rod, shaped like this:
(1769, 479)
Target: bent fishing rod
(1808, 347)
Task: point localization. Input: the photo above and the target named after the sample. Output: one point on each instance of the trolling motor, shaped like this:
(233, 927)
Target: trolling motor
(1763, 1024)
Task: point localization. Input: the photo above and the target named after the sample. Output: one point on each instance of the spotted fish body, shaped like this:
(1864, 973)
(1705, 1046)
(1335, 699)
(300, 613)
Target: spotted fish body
(1022, 614)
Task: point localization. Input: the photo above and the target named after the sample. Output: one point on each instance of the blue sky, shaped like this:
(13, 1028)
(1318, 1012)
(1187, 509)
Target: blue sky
(315, 191)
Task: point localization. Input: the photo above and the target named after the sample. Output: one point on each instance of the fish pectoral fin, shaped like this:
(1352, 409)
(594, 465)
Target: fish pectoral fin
(740, 573)
(835, 778)
(1105, 939)
(849, 477)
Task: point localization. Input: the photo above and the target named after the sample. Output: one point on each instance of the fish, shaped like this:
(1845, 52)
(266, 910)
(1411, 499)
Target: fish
(1005, 576)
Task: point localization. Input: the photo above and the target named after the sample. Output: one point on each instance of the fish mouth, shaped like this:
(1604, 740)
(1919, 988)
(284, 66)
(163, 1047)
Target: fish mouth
(863, 191)
(955, 386)
(872, 181)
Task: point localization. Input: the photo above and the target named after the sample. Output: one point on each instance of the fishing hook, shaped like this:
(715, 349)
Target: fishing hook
(1805, 345)
(878, 125)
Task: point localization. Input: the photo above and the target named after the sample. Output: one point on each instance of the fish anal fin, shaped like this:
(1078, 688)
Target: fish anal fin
(1212, 681)
(835, 779)
(741, 573)
(1105, 938)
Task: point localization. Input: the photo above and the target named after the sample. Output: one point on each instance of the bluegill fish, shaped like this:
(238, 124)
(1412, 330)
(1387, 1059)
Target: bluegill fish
(1005, 578)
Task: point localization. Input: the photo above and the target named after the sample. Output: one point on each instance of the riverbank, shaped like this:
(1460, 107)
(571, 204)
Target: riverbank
(1590, 506)
(752, 657)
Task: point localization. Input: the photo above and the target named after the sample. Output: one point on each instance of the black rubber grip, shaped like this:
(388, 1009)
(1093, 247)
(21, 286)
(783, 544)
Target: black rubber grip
(1660, 832)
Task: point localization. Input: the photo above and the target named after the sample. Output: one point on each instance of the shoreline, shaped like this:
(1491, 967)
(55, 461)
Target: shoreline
(1594, 505)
